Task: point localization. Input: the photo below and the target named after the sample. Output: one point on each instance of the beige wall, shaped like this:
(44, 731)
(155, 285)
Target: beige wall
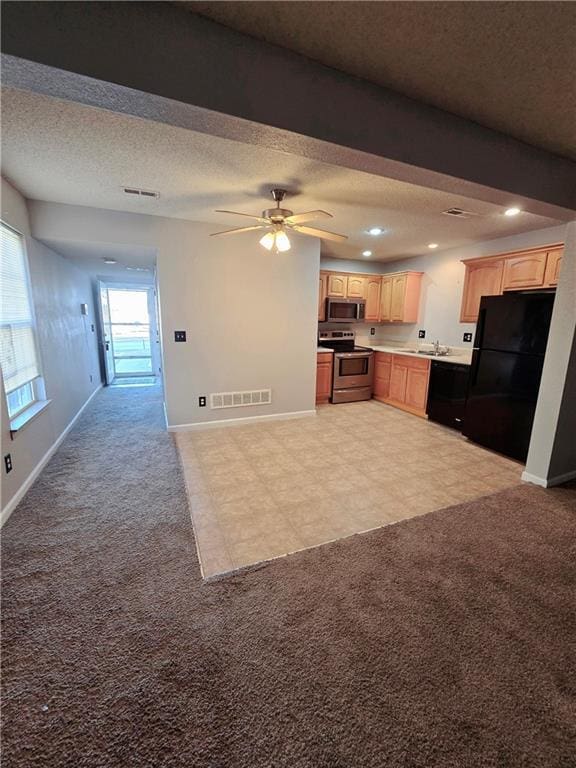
(67, 348)
(250, 316)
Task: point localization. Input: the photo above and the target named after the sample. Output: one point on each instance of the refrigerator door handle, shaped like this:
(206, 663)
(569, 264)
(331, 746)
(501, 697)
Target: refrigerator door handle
(475, 368)
(479, 340)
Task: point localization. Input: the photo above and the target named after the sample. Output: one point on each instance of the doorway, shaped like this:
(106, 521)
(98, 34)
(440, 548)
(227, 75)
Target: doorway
(130, 336)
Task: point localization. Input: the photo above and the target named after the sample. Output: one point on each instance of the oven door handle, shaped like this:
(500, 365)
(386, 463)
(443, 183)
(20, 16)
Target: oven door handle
(354, 354)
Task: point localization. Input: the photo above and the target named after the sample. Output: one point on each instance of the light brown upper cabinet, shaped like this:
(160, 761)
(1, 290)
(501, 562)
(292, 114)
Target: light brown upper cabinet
(356, 288)
(553, 265)
(519, 271)
(405, 297)
(386, 299)
(372, 299)
(322, 291)
(525, 270)
(337, 286)
(482, 279)
(392, 298)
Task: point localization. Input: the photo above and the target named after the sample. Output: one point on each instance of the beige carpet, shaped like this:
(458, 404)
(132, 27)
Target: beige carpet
(445, 641)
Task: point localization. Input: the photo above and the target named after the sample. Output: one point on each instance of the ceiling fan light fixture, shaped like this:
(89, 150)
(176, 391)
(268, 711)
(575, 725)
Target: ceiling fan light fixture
(282, 241)
(276, 241)
(268, 241)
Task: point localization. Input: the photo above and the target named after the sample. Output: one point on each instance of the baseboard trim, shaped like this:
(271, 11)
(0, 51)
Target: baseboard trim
(550, 481)
(239, 422)
(21, 492)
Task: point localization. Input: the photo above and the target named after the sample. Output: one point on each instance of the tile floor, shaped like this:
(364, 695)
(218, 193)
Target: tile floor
(264, 490)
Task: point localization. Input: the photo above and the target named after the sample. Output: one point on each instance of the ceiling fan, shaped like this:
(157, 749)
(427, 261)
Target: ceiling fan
(278, 220)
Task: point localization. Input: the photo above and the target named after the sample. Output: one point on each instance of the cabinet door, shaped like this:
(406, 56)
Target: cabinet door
(323, 377)
(553, 265)
(337, 286)
(386, 299)
(526, 270)
(398, 295)
(323, 287)
(382, 373)
(483, 279)
(356, 287)
(417, 387)
(373, 299)
(398, 377)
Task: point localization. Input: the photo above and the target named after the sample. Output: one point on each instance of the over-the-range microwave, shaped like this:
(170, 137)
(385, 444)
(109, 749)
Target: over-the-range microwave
(345, 310)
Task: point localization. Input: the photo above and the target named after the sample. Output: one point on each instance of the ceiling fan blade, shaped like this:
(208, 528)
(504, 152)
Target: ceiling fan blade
(296, 218)
(238, 229)
(321, 233)
(248, 215)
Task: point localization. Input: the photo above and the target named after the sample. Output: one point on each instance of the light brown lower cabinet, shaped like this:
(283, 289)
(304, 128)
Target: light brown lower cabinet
(324, 361)
(382, 373)
(402, 381)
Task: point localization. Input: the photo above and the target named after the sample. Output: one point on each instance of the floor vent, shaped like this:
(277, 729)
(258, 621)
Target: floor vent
(238, 399)
(459, 213)
(141, 192)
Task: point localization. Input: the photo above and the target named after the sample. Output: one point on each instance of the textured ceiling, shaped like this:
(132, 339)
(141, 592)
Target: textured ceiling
(510, 66)
(69, 153)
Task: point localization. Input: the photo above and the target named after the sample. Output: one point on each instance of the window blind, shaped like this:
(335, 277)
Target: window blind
(17, 344)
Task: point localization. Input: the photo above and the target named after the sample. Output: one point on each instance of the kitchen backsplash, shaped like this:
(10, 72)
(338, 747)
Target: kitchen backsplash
(386, 335)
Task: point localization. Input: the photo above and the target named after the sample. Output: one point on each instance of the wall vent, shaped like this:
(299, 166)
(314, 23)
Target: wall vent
(238, 399)
(141, 192)
(459, 213)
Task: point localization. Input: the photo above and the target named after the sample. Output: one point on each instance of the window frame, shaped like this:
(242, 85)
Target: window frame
(39, 400)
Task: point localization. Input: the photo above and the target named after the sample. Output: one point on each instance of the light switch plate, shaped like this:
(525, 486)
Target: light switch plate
(179, 335)
(421, 334)
(467, 337)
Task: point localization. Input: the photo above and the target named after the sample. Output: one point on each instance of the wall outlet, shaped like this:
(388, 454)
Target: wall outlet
(421, 334)
(202, 401)
(179, 335)
(467, 337)
(92, 327)
(8, 462)
(372, 331)
(90, 378)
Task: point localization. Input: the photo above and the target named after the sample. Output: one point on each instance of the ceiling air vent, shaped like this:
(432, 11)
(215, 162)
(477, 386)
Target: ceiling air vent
(238, 399)
(141, 192)
(459, 213)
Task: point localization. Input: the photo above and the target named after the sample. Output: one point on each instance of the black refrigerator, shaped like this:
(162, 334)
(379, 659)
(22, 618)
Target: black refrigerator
(507, 361)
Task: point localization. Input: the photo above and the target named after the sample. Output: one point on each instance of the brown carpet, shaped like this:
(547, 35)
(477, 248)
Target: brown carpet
(443, 641)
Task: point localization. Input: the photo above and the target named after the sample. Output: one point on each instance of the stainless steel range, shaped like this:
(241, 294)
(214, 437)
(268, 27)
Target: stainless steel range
(353, 375)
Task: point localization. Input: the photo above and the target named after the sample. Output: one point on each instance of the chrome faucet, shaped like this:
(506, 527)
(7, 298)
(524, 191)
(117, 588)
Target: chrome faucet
(437, 347)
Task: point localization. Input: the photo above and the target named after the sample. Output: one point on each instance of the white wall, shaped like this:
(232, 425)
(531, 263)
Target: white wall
(67, 348)
(442, 286)
(250, 316)
(552, 454)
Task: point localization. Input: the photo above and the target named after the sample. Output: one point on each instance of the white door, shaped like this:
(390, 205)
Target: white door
(106, 341)
(154, 332)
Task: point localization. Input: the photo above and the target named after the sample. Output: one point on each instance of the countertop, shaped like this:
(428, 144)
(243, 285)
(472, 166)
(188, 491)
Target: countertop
(325, 349)
(458, 356)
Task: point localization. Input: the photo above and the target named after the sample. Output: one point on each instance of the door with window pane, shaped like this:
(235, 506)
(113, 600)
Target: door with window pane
(130, 330)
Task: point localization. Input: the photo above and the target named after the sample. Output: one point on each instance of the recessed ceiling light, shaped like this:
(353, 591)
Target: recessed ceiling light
(366, 253)
(109, 261)
(432, 245)
(512, 212)
(375, 231)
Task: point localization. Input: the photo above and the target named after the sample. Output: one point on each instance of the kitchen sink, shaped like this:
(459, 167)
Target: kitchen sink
(432, 353)
(404, 349)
